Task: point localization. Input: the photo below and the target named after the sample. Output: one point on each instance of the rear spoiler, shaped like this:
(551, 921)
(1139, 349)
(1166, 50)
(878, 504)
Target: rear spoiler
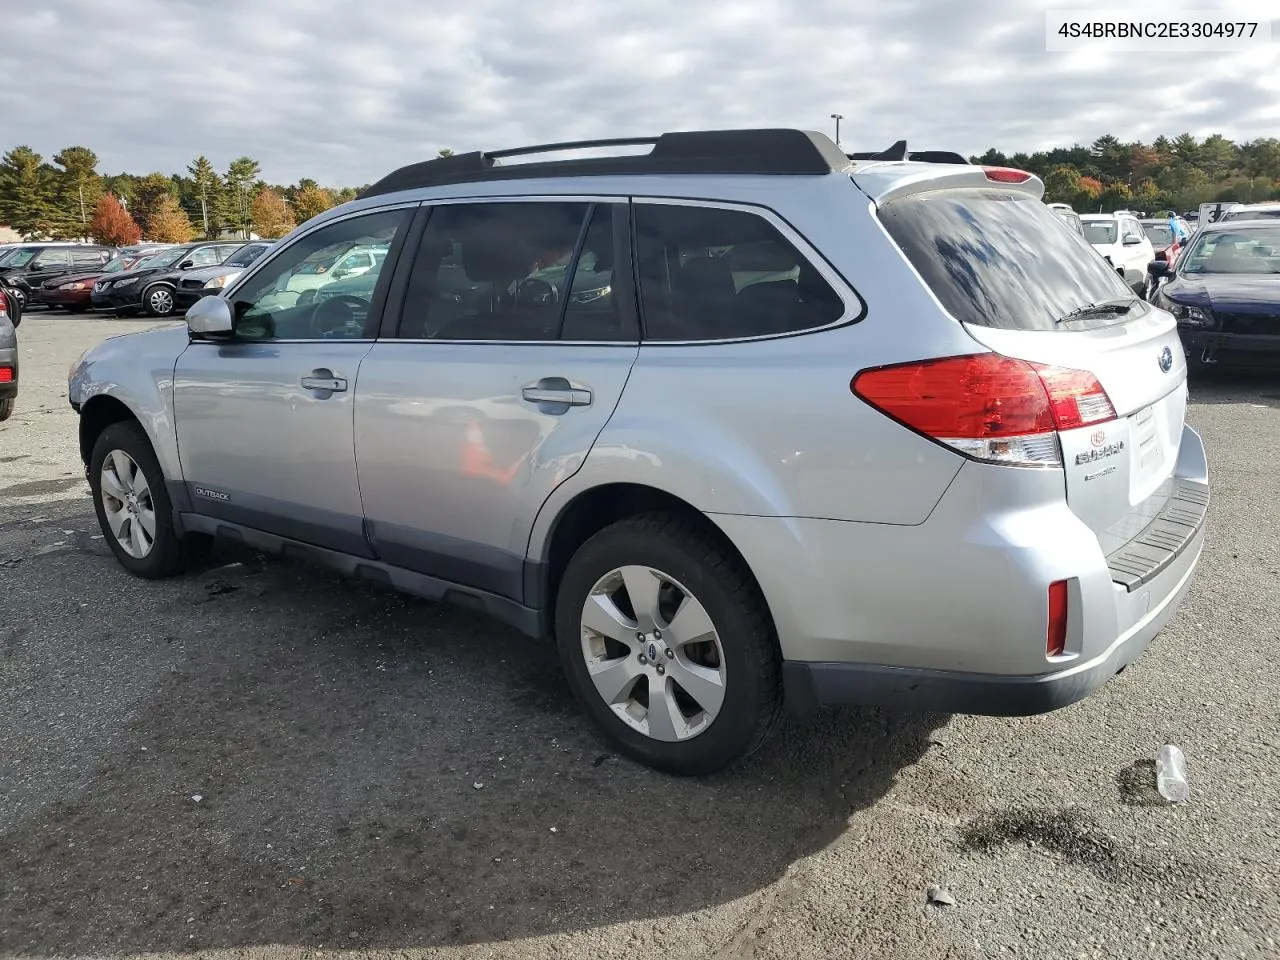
(899, 152)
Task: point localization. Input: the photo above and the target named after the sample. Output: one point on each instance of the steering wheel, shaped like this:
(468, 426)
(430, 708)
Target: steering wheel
(328, 319)
(537, 292)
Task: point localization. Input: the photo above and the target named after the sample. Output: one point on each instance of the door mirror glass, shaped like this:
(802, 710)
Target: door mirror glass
(210, 317)
(185, 265)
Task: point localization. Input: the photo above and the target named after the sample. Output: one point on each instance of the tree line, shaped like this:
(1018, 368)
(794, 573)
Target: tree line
(69, 199)
(1179, 173)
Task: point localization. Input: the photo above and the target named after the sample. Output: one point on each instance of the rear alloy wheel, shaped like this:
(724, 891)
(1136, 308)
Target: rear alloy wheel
(668, 645)
(159, 301)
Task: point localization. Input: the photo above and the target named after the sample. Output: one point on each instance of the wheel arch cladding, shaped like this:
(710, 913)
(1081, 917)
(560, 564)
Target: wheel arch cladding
(96, 415)
(598, 507)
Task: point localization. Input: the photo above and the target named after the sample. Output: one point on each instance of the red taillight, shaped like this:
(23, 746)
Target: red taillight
(6, 374)
(1006, 175)
(986, 405)
(1056, 639)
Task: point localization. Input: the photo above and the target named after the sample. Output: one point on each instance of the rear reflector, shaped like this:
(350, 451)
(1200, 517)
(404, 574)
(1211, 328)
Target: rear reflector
(988, 406)
(6, 374)
(1056, 641)
(1006, 175)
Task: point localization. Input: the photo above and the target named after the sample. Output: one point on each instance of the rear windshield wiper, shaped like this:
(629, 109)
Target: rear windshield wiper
(1106, 308)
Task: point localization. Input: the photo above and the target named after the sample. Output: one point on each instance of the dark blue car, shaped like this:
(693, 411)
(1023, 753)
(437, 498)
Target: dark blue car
(1224, 291)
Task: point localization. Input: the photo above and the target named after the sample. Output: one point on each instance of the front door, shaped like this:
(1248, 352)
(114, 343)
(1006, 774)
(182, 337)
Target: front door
(264, 420)
(515, 340)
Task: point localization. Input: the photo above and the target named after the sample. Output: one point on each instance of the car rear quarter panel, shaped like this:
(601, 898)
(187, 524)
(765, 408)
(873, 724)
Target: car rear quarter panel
(770, 427)
(137, 370)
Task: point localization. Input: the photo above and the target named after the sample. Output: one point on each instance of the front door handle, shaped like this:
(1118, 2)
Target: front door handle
(324, 379)
(556, 390)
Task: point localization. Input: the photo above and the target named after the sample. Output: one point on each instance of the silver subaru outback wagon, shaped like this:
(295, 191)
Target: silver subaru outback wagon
(741, 422)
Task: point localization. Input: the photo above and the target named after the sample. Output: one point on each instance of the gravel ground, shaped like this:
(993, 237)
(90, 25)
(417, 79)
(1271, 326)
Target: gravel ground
(261, 760)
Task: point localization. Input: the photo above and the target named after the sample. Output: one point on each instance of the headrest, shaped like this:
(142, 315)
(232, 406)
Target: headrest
(491, 254)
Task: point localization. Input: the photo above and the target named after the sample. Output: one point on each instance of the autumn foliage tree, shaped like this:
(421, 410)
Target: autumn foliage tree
(271, 216)
(311, 200)
(112, 225)
(169, 224)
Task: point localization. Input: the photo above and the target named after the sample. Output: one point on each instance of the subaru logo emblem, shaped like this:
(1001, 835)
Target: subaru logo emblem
(1166, 359)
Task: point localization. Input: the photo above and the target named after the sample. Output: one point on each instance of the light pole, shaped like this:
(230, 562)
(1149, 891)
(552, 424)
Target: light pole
(837, 117)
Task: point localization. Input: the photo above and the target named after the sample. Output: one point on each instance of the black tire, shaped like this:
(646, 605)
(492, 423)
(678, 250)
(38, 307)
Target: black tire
(78, 308)
(6, 408)
(157, 301)
(170, 554)
(687, 552)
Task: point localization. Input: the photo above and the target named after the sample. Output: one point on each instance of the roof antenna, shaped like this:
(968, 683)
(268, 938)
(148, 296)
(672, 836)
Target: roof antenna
(897, 152)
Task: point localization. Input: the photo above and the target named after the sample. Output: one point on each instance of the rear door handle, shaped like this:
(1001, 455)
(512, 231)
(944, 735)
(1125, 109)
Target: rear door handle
(556, 390)
(324, 379)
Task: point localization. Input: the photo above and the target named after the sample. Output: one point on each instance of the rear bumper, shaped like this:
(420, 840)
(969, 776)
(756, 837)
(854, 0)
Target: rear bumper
(951, 614)
(809, 685)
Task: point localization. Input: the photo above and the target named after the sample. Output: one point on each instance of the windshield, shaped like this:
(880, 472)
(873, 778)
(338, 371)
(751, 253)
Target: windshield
(1000, 259)
(1158, 233)
(115, 266)
(1100, 231)
(1255, 251)
(20, 257)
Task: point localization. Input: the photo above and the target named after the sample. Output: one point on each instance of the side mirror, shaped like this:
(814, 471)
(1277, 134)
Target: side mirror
(1157, 269)
(1131, 241)
(36, 268)
(210, 317)
(185, 265)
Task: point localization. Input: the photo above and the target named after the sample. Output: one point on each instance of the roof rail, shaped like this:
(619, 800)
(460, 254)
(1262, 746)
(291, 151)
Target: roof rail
(899, 152)
(766, 151)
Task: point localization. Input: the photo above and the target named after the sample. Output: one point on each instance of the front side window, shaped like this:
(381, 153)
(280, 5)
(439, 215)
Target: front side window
(289, 299)
(517, 271)
(708, 273)
(246, 255)
(206, 256)
(53, 258)
(996, 259)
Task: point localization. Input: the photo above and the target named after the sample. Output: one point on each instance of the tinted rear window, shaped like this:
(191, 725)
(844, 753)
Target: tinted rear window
(1001, 260)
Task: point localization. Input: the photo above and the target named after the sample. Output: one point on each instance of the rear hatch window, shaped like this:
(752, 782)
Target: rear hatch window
(1000, 259)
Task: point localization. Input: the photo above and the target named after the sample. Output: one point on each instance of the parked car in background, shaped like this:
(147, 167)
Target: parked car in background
(206, 281)
(1068, 217)
(1120, 239)
(32, 265)
(1252, 211)
(8, 360)
(1213, 212)
(74, 291)
(1224, 291)
(1163, 242)
(151, 288)
(747, 480)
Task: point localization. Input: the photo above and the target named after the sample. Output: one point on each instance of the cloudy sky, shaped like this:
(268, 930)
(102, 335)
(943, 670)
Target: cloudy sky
(343, 92)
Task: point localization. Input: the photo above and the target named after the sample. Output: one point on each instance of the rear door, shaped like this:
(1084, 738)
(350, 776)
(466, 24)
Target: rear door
(514, 342)
(1014, 299)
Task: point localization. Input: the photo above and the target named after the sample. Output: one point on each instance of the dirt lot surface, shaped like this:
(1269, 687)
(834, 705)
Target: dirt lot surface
(261, 760)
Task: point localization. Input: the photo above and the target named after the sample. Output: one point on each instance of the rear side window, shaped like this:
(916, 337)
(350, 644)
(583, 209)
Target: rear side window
(999, 260)
(54, 258)
(708, 273)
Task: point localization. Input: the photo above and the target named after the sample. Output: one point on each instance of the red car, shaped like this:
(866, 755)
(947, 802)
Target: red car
(73, 292)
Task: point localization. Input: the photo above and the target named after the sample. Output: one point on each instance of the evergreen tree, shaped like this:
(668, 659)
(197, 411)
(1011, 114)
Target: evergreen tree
(148, 194)
(208, 189)
(78, 189)
(26, 192)
(238, 192)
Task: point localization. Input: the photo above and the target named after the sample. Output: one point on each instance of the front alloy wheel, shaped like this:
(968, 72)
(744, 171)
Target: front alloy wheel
(127, 505)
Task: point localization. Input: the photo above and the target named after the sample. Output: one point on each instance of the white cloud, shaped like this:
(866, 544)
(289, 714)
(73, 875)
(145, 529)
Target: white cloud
(344, 93)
